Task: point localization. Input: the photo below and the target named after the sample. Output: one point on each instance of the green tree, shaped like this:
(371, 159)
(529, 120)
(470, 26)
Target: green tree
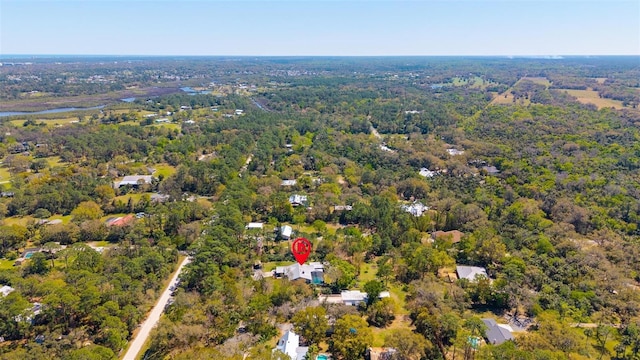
(409, 345)
(381, 313)
(311, 323)
(86, 210)
(350, 338)
(373, 288)
(37, 264)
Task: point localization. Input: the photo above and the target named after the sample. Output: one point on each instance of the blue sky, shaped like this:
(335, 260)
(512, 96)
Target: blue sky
(320, 27)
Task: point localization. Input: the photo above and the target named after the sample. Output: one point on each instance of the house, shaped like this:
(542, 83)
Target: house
(415, 209)
(427, 173)
(497, 334)
(286, 231)
(239, 112)
(135, 180)
(382, 353)
(6, 290)
(455, 152)
(190, 121)
(289, 182)
(355, 297)
(453, 235)
(163, 120)
(254, 225)
(312, 273)
(289, 344)
(158, 198)
(470, 272)
(121, 221)
(491, 170)
(297, 200)
(342, 208)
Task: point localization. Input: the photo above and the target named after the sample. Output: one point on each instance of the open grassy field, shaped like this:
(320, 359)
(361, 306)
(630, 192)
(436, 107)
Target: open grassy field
(64, 120)
(538, 80)
(592, 97)
(6, 264)
(54, 161)
(164, 170)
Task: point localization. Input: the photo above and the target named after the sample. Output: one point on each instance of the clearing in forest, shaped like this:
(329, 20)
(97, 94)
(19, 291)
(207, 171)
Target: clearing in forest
(592, 97)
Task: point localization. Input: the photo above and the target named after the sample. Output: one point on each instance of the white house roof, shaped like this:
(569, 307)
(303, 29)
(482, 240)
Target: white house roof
(289, 182)
(286, 231)
(497, 333)
(353, 295)
(415, 209)
(289, 344)
(6, 290)
(427, 173)
(133, 179)
(254, 225)
(454, 152)
(297, 199)
(470, 272)
(297, 271)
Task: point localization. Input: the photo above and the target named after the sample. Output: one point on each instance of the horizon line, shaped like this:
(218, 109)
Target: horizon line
(544, 56)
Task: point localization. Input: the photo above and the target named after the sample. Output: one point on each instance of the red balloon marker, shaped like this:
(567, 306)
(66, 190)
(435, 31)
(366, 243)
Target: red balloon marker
(301, 248)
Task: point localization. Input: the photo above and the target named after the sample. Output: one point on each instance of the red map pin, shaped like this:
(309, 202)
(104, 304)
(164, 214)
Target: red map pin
(301, 248)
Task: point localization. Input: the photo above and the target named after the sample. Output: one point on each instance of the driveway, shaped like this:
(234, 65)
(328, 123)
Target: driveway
(136, 344)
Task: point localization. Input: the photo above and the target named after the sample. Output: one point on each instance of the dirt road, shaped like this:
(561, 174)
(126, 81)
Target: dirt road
(136, 344)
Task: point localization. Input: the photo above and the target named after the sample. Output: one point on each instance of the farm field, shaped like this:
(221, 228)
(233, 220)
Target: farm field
(592, 97)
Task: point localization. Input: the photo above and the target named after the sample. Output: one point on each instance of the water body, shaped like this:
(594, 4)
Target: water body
(189, 90)
(52, 111)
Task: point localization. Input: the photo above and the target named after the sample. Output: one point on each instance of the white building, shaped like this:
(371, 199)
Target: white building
(254, 225)
(286, 231)
(454, 152)
(312, 272)
(415, 209)
(355, 297)
(289, 344)
(289, 182)
(135, 180)
(427, 173)
(470, 272)
(6, 290)
(296, 200)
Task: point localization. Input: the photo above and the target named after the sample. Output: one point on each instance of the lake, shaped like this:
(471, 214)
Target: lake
(52, 111)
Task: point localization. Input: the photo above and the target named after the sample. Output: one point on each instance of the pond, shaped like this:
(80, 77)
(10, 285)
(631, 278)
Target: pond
(51, 111)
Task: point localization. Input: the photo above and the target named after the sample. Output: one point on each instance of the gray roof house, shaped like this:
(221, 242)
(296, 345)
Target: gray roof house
(289, 344)
(135, 180)
(470, 272)
(312, 272)
(497, 334)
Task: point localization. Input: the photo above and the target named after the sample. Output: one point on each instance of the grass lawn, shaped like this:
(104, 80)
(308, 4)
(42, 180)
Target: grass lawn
(134, 196)
(539, 80)
(18, 220)
(5, 175)
(164, 170)
(367, 273)
(65, 219)
(592, 97)
(379, 334)
(54, 161)
(6, 264)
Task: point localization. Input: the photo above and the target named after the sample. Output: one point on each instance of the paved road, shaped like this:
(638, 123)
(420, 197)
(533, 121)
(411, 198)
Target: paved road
(136, 344)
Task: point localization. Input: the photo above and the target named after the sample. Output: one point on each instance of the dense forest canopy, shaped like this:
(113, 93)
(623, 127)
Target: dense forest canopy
(398, 170)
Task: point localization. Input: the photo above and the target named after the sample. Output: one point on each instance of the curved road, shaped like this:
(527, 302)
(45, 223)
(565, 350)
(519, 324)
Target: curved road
(136, 344)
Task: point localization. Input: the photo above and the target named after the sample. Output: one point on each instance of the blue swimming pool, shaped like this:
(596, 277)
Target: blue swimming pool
(322, 357)
(28, 255)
